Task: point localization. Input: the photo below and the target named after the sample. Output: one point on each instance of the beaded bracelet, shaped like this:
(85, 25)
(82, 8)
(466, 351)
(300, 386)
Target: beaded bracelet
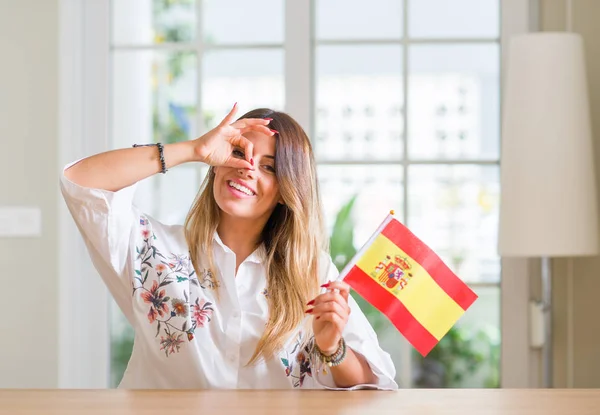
(336, 358)
(161, 156)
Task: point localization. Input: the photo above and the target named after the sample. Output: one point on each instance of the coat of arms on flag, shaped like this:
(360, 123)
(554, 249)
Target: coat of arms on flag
(408, 282)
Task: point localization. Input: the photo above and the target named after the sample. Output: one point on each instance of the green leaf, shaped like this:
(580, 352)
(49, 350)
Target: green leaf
(181, 279)
(341, 242)
(157, 329)
(285, 362)
(145, 277)
(138, 272)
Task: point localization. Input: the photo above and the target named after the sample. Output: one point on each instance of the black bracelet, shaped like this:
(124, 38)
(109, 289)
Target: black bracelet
(161, 155)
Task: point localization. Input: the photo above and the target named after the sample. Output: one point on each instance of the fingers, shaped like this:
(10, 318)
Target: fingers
(342, 287)
(231, 116)
(246, 145)
(337, 285)
(238, 163)
(246, 122)
(249, 122)
(330, 307)
(258, 128)
(331, 301)
(327, 297)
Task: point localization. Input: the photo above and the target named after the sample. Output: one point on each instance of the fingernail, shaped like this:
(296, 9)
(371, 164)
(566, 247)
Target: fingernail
(311, 302)
(268, 119)
(325, 285)
(310, 310)
(252, 161)
(275, 131)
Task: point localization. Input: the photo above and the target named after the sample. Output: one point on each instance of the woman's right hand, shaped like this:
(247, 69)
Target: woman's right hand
(216, 147)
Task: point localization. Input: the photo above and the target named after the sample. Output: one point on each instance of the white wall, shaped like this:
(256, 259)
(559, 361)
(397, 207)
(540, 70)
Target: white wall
(28, 166)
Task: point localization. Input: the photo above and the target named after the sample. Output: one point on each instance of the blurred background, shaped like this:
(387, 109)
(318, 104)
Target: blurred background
(402, 101)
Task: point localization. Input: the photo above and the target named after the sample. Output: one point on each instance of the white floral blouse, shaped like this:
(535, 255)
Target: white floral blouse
(184, 336)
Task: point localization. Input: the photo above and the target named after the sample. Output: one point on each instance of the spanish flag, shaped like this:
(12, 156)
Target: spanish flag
(403, 278)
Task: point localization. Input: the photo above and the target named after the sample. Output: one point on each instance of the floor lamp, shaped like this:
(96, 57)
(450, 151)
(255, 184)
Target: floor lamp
(548, 204)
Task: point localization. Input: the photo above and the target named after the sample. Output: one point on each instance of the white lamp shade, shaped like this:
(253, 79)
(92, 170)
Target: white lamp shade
(548, 190)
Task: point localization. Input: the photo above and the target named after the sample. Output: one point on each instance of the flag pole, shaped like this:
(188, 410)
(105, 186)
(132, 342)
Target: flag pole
(366, 245)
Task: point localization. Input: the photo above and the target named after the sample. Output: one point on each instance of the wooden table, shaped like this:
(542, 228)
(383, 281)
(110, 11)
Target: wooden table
(408, 401)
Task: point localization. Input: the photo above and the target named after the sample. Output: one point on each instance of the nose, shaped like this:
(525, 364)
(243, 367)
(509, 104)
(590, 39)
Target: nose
(249, 173)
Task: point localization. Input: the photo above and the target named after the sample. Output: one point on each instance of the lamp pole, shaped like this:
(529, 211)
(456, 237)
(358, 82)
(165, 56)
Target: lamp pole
(547, 307)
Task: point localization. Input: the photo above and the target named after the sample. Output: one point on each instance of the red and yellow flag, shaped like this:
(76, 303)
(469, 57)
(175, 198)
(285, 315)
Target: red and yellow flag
(403, 278)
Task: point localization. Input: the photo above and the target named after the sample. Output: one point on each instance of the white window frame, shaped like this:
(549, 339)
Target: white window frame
(84, 102)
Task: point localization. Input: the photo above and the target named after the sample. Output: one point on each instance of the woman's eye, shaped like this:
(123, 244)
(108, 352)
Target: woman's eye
(270, 168)
(238, 153)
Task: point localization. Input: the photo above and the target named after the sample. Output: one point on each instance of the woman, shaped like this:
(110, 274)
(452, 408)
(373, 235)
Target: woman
(232, 298)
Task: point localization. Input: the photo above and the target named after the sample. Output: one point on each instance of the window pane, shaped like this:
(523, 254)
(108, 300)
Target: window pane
(454, 210)
(455, 18)
(153, 97)
(241, 22)
(359, 102)
(378, 189)
(454, 102)
(355, 19)
(469, 354)
(251, 77)
(153, 21)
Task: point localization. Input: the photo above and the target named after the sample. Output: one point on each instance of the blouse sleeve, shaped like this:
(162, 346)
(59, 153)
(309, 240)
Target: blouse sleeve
(106, 221)
(362, 339)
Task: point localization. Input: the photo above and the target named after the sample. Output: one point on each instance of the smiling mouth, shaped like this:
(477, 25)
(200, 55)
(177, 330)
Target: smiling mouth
(241, 188)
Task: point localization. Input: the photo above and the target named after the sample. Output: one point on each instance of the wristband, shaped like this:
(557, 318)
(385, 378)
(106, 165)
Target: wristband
(161, 156)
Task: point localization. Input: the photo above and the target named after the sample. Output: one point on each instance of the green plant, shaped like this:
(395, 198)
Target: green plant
(121, 347)
(459, 356)
(341, 242)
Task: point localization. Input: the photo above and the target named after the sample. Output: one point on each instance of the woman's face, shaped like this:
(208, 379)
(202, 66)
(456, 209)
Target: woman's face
(249, 193)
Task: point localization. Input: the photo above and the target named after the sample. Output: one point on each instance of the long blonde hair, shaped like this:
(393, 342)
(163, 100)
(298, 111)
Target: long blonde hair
(293, 237)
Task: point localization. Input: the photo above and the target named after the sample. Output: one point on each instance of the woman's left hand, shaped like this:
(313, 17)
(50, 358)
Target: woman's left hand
(331, 312)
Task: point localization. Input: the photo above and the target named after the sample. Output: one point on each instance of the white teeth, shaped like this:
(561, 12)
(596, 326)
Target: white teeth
(241, 188)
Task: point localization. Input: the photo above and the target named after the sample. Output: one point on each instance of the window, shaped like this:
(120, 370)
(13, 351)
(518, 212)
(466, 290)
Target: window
(407, 118)
(404, 115)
